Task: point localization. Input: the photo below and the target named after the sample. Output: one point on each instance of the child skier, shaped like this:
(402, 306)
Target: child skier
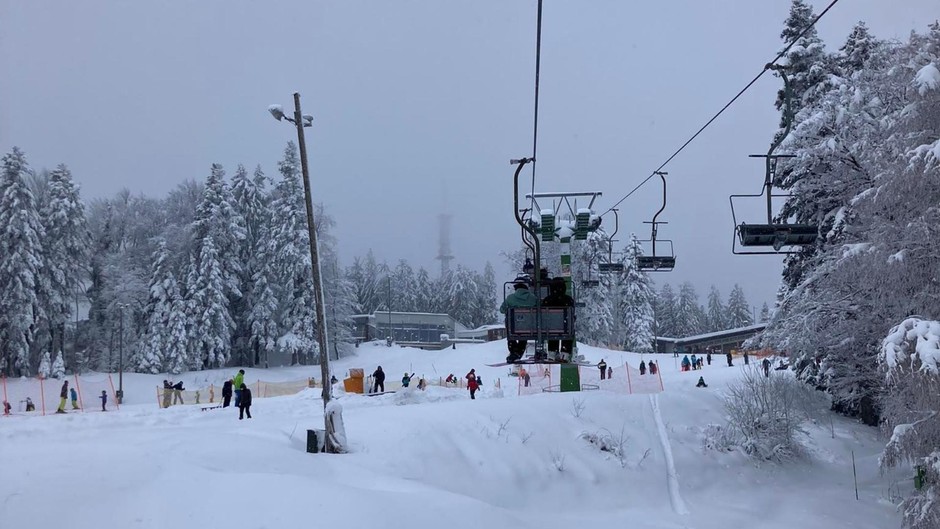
(104, 400)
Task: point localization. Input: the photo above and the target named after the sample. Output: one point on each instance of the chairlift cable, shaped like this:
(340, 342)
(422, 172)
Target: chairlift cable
(731, 102)
(535, 123)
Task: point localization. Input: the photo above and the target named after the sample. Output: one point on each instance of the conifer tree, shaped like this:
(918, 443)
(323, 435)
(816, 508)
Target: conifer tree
(45, 366)
(688, 312)
(739, 312)
(58, 366)
(666, 313)
(212, 325)
(162, 301)
(636, 303)
(21, 261)
(715, 315)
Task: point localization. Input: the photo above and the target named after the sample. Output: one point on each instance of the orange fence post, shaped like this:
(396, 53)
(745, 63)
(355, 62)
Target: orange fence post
(42, 395)
(78, 388)
(626, 367)
(3, 379)
(117, 405)
(659, 373)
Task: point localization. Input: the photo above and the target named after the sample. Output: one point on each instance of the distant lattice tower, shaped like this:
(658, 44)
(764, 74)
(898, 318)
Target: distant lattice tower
(444, 254)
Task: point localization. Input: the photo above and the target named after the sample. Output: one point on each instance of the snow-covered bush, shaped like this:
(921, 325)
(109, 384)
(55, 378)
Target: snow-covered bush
(910, 360)
(766, 413)
(58, 367)
(606, 442)
(45, 366)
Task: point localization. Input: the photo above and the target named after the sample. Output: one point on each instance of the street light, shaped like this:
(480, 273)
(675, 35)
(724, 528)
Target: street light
(120, 391)
(301, 120)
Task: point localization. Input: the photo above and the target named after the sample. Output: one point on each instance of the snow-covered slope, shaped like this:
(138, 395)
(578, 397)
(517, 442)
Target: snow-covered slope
(429, 458)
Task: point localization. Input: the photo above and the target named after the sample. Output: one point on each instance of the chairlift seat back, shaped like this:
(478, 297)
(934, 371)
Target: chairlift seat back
(610, 268)
(777, 235)
(556, 323)
(656, 263)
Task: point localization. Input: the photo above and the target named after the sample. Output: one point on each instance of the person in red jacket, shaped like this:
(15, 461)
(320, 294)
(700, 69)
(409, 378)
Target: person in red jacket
(472, 384)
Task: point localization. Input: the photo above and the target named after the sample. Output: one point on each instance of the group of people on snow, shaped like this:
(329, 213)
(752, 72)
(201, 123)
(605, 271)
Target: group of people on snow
(65, 394)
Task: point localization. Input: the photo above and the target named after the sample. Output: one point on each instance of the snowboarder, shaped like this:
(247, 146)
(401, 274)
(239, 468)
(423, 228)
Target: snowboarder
(558, 297)
(653, 368)
(379, 377)
(701, 383)
(708, 357)
(603, 367)
(63, 395)
(694, 361)
(610, 373)
(520, 298)
(406, 379)
(472, 384)
(746, 361)
(237, 382)
(766, 365)
(74, 396)
(642, 367)
(686, 364)
(244, 403)
(227, 393)
(178, 392)
(730, 362)
(104, 400)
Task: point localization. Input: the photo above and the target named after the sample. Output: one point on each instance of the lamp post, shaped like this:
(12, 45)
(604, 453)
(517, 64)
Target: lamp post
(120, 391)
(301, 121)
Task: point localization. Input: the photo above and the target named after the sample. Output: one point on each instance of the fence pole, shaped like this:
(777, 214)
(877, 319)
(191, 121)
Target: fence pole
(659, 373)
(117, 405)
(42, 395)
(855, 475)
(3, 380)
(626, 367)
(78, 389)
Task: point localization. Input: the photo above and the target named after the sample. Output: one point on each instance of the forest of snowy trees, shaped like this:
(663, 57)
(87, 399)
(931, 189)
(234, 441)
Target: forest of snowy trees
(866, 141)
(679, 315)
(215, 273)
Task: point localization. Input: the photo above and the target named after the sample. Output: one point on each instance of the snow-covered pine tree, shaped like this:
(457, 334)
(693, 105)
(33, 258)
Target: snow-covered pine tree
(248, 199)
(212, 324)
(765, 313)
(262, 319)
(424, 291)
(65, 249)
(739, 312)
(45, 366)
(58, 366)
(715, 313)
(636, 296)
(163, 300)
(289, 251)
(485, 304)
(666, 311)
(21, 260)
(404, 287)
(597, 321)
(340, 306)
(688, 312)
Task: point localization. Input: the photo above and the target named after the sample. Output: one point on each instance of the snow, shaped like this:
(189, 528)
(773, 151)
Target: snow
(927, 79)
(923, 335)
(427, 458)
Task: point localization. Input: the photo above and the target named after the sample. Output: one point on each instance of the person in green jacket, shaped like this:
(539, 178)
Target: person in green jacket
(520, 298)
(237, 384)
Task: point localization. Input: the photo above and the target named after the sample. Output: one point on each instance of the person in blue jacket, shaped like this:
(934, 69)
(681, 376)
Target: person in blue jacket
(104, 400)
(686, 364)
(405, 380)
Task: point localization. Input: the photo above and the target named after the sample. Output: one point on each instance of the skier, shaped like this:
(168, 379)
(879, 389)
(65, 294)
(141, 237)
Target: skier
(74, 396)
(167, 393)
(642, 367)
(525, 376)
(730, 363)
(559, 298)
(708, 357)
(686, 364)
(237, 382)
(406, 379)
(701, 383)
(603, 367)
(244, 403)
(379, 378)
(610, 373)
(472, 383)
(520, 298)
(29, 404)
(653, 368)
(226, 393)
(63, 394)
(694, 361)
(104, 400)
(766, 365)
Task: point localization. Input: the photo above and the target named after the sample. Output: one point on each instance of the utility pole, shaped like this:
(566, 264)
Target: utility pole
(120, 391)
(301, 121)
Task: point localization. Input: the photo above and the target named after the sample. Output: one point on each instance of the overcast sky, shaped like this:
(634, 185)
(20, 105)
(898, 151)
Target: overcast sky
(419, 105)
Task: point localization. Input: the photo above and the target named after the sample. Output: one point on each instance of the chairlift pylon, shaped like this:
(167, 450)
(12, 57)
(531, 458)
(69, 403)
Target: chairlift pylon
(657, 262)
(776, 235)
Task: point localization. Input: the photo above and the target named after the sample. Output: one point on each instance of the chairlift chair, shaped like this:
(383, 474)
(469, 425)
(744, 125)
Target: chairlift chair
(610, 267)
(657, 262)
(776, 235)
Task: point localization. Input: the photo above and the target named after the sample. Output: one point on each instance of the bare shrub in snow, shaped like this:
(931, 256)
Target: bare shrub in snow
(717, 437)
(558, 460)
(766, 413)
(910, 360)
(577, 407)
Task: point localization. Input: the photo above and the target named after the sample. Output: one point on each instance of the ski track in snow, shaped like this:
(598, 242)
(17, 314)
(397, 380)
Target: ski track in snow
(678, 504)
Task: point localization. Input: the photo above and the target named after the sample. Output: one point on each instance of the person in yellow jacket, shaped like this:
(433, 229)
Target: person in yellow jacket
(64, 395)
(237, 384)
